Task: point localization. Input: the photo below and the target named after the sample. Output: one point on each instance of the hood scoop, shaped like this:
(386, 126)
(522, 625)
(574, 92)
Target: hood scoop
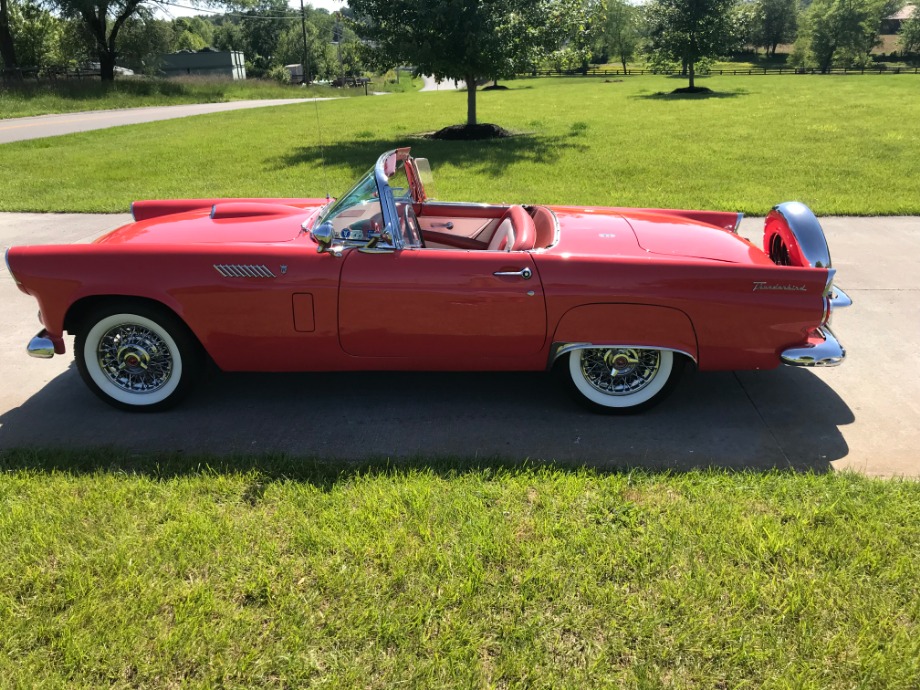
(252, 209)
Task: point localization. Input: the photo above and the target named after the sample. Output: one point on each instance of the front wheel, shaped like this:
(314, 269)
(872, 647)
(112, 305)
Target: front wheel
(622, 380)
(137, 357)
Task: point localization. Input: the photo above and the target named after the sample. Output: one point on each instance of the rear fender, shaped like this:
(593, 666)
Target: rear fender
(632, 325)
(793, 237)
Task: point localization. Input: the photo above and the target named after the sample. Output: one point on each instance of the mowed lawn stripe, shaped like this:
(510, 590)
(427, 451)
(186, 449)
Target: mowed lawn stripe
(843, 145)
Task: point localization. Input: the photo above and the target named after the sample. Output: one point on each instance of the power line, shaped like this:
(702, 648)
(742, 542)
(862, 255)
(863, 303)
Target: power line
(238, 15)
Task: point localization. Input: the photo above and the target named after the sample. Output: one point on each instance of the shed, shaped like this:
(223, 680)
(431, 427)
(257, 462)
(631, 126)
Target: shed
(205, 62)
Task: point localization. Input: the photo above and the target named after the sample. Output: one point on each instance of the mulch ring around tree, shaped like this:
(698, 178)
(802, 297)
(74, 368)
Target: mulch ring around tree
(692, 90)
(471, 132)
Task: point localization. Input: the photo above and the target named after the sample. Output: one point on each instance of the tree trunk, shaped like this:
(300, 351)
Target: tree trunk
(107, 65)
(623, 60)
(692, 72)
(470, 99)
(7, 49)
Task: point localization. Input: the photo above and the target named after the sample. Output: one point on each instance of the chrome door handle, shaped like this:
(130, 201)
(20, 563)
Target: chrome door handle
(524, 273)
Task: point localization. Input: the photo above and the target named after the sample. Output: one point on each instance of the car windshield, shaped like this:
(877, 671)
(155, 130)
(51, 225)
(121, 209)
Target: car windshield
(359, 209)
(376, 207)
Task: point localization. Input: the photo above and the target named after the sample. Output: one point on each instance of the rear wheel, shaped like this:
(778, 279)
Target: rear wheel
(137, 357)
(622, 380)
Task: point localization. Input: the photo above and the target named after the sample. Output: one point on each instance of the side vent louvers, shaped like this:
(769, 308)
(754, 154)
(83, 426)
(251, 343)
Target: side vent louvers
(244, 270)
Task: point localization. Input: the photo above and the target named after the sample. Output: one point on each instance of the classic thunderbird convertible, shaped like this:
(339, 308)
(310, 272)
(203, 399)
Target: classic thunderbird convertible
(385, 278)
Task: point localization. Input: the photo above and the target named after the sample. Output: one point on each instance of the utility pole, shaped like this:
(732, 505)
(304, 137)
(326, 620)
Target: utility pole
(303, 28)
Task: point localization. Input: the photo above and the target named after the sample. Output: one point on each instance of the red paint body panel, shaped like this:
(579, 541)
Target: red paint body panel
(660, 278)
(147, 209)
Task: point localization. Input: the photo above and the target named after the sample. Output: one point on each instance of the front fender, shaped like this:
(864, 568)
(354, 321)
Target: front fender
(635, 325)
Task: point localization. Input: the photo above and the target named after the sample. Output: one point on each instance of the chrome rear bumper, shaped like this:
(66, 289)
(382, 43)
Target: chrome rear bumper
(41, 346)
(830, 353)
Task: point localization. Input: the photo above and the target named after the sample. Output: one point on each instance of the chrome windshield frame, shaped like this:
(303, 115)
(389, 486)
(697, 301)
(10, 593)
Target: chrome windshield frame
(387, 201)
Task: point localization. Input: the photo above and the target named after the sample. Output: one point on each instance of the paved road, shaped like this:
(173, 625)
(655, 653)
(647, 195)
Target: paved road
(20, 128)
(863, 416)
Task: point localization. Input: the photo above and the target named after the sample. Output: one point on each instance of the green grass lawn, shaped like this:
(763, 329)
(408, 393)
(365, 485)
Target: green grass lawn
(844, 145)
(128, 571)
(30, 98)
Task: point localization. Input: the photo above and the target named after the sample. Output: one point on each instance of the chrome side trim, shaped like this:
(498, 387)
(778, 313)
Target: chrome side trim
(41, 346)
(830, 353)
(558, 349)
(807, 232)
(244, 270)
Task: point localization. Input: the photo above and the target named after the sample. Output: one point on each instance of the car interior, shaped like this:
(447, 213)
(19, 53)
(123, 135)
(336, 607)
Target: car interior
(487, 227)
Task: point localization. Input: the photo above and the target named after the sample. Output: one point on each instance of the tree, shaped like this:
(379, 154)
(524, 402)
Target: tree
(460, 39)
(261, 29)
(776, 21)
(192, 33)
(103, 20)
(7, 48)
(843, 30)
(909, 35)
(621, 30)
(36, 35)
(143, 41)
(688, 31)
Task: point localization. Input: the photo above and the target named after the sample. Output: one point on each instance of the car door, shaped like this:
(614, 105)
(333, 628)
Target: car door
(439, 302)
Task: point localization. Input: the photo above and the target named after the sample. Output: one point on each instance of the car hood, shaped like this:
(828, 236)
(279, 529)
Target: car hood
(224, 221)
(617, 232)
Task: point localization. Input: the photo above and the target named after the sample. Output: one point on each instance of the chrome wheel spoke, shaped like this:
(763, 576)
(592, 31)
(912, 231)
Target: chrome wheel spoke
(135, 358)
(620, 371)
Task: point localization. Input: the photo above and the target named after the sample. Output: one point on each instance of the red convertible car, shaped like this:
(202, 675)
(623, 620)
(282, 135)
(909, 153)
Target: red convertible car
(384, 278)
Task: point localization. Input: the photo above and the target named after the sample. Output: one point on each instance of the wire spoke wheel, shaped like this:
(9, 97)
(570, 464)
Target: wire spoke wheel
(622, 379)
(137, 356)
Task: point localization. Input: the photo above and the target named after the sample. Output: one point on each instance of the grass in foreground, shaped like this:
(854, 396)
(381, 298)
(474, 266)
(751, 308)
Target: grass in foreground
(126, 571)
(843, 145)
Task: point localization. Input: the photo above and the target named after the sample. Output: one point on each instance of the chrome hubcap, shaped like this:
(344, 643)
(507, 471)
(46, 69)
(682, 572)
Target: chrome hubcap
(135, 358)
(620, 371)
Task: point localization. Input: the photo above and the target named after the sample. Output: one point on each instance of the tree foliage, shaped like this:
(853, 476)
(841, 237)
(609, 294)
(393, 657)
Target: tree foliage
(37, 35)
(463, 40)
(909, 34)
(266, 31)
(687, 31)
(842, 31)
(775, 22)
(104, 20)
(621, 30)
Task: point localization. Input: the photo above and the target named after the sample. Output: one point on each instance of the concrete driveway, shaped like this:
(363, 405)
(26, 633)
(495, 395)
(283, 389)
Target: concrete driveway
(864, 415)
(21, 128)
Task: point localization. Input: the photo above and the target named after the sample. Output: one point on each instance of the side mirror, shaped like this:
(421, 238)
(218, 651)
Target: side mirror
(323, 235)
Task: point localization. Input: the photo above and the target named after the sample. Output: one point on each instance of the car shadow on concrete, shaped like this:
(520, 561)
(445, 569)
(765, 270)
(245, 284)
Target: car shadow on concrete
(785, 419)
